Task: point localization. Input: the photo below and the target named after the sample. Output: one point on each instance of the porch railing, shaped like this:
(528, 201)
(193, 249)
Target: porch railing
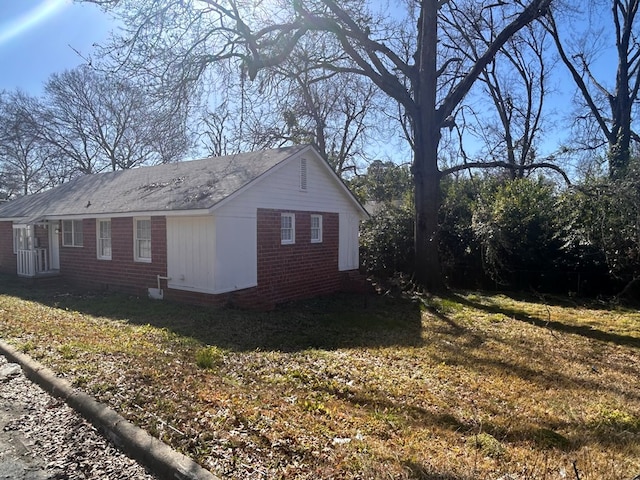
(32, 262)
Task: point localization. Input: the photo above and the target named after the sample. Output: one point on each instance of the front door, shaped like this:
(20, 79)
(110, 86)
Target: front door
(54, 245)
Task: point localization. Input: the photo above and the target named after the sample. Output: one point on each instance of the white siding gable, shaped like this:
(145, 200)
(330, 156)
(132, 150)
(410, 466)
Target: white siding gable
(218, 253)
(281, 189)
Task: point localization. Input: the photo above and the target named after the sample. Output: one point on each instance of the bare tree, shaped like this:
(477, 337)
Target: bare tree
(214, 130)
(404, 58)
(298, 101)
(611, 108)
(515, 85)
(25, 159)
(334, 111)
(102, 122)
(238, 117)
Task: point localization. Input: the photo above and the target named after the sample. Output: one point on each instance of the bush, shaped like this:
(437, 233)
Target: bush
(517, 225)
(460, 254)
(604, 219)
(386, 241)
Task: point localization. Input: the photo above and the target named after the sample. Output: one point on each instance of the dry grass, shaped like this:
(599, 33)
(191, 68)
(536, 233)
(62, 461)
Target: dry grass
(465, 387)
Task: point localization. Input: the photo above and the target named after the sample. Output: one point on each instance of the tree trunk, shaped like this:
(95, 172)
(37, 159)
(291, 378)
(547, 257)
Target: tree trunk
(620, 136)
(619, 150)
(426, 137)
(426, 178)
(621, 101)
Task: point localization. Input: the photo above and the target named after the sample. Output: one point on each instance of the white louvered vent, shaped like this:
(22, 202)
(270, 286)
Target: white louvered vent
(303, 174)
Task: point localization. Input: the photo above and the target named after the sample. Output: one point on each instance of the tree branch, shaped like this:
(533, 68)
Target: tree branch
(584, 90)
(534, 10)
(500, 164)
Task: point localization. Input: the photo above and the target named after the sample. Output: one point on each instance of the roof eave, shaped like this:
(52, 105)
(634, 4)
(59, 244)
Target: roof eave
(140, 213)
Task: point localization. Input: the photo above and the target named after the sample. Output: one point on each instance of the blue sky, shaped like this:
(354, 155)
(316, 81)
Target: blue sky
(37, 38)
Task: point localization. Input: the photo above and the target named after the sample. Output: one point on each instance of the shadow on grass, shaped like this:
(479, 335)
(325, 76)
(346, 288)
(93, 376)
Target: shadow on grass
(541, 435)
(463, 352)
(331, 322)
(583, 330)
(422, 472)
(563, 301)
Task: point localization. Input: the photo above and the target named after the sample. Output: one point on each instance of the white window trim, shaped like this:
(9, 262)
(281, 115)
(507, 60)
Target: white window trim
(319, 239)
(99, 238)
(292, 240)
(136, 257)
(73, 234)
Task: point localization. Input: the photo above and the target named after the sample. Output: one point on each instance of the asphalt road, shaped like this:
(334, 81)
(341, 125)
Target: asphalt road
(15, 461)
(42, 438)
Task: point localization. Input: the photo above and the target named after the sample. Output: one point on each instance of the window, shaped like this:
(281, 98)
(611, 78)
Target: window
(21, 239)
(72, 233)
(316, 228)
(142, 240)
(104, 239)
(287, 228)
(303, 174)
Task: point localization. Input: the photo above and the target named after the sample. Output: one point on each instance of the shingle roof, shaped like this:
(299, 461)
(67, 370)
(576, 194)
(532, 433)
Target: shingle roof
(196, 184)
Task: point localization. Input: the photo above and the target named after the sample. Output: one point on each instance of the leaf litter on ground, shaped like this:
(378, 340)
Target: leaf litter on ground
(460, 387)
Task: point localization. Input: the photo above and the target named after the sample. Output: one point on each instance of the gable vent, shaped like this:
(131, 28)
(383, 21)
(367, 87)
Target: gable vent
(303, 174)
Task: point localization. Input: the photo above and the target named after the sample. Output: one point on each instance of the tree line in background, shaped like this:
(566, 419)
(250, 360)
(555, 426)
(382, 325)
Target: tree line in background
(524, 234)
(466, 92)
(85, 122)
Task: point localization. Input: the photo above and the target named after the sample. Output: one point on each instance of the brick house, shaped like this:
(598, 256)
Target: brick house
(252, 229)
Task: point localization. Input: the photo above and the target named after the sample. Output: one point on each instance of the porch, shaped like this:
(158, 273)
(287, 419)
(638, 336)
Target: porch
(36, 246)
(35, 263)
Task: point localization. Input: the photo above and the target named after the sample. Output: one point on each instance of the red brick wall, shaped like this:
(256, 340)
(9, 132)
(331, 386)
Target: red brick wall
(247, 298)
(7, 257)
(299, 270)
(81, 265)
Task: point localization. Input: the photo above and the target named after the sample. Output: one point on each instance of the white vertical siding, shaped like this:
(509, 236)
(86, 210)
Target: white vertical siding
(236, 260)
(348, 250)
(191, 253)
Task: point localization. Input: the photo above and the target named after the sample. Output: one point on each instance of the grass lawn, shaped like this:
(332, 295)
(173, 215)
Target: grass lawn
(470, 386)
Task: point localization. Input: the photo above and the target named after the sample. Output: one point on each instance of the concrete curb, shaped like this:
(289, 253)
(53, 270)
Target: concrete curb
(157, 456)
